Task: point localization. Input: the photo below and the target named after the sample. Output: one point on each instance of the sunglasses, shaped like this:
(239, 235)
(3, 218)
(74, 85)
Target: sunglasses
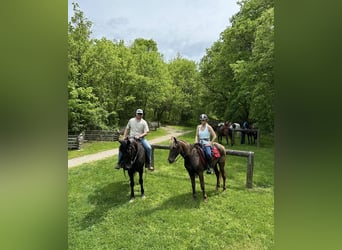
(139, 113)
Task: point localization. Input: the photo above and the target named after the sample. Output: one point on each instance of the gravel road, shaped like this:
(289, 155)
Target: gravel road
(108, 153)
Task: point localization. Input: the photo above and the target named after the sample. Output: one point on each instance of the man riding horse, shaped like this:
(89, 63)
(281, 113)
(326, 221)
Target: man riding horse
(138, 128)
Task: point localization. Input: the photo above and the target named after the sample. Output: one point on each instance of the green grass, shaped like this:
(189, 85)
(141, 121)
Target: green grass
(98, 146)
(101, 217)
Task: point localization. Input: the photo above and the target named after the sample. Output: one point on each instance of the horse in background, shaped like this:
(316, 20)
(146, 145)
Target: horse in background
(194, 164)
(235, 125)
(225, 130)
(214, 124)
(133, 160)
(252, 136)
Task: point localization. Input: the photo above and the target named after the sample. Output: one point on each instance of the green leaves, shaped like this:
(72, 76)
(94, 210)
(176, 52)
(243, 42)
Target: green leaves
(109, 80)
(238, 69)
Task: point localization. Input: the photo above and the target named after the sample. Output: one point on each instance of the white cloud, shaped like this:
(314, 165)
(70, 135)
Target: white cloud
(184, 26)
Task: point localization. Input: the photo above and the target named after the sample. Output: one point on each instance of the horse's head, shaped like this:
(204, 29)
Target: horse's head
(128, 151)
(174, 150)
(227, 123)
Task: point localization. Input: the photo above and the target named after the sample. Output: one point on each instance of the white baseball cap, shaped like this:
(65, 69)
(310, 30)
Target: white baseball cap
(139, 111)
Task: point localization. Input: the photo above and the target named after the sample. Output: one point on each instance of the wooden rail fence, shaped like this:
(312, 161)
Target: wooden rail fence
(248, 154)
(153, 126)
(101, 135)
(75, 141)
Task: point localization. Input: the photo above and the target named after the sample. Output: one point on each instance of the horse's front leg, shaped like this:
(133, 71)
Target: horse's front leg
(131, 178)
(141, 182)
(201, 178)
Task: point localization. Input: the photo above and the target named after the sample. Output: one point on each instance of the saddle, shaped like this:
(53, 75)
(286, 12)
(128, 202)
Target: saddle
(215, 153)
(132, 139)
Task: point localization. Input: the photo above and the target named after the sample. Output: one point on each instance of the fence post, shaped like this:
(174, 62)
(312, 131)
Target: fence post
(152, 157)
(250, 165)
(233, 137)
(258, 137)
(248, 154)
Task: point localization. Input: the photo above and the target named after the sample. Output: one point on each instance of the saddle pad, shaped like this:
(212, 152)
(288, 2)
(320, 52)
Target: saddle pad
(215, 152)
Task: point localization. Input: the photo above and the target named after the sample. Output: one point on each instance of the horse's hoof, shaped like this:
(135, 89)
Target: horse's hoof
(143, 196)
(131, 200)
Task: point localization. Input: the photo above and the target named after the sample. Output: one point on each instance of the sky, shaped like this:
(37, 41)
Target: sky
(187, 27)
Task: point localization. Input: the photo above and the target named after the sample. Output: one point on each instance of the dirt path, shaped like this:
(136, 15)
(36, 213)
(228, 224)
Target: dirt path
(105, 154)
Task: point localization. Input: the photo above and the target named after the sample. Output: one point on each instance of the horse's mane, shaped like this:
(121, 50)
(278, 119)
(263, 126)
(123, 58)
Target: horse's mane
(138, 149)
(174, 139)
(185, 146)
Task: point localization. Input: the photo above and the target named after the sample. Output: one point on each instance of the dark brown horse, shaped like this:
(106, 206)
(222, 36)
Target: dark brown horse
(194, 164)
(226, 131)
(133, 160)
(252, 135)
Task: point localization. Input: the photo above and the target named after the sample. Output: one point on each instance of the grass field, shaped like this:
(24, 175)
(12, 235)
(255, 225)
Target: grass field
(101, 217)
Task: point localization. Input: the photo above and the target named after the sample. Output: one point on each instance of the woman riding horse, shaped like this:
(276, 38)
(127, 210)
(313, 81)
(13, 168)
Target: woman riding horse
(194, 164)
(205, 136)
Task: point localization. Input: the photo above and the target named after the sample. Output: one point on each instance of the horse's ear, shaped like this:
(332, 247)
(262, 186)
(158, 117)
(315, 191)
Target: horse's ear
(173, 140)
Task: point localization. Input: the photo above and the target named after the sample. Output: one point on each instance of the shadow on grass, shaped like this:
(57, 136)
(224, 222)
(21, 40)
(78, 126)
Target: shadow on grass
(183, 202)
(104, 199)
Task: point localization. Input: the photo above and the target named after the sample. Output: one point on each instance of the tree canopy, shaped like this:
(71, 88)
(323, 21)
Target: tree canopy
(108, 80)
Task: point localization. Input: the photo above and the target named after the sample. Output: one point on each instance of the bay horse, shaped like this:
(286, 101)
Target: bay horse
(225, 129)
(133, 160)
(194, 164)
(252, 136)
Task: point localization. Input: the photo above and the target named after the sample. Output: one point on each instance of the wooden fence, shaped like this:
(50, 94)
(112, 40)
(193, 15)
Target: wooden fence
(153, 126)
(248, 154)
(101, 135)
(75, 141)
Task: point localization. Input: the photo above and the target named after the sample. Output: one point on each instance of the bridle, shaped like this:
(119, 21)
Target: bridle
(180, 153)
(133, 152)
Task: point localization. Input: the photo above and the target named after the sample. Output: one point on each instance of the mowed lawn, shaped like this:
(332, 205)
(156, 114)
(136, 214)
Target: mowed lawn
(100, 215)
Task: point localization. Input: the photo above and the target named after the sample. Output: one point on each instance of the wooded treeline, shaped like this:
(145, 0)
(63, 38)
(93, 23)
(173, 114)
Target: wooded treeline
(108, 80)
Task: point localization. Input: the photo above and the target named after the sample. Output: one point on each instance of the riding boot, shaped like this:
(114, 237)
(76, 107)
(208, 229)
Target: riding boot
(209, 169)
(118, 166)
(148, 166)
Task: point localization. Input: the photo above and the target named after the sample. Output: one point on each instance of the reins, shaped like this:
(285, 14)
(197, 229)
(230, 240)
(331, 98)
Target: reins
(136, 155)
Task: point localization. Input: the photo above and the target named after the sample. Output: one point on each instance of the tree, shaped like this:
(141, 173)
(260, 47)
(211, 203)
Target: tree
(238, 68)
(186, 90)
(255, 75)
(84, 110)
